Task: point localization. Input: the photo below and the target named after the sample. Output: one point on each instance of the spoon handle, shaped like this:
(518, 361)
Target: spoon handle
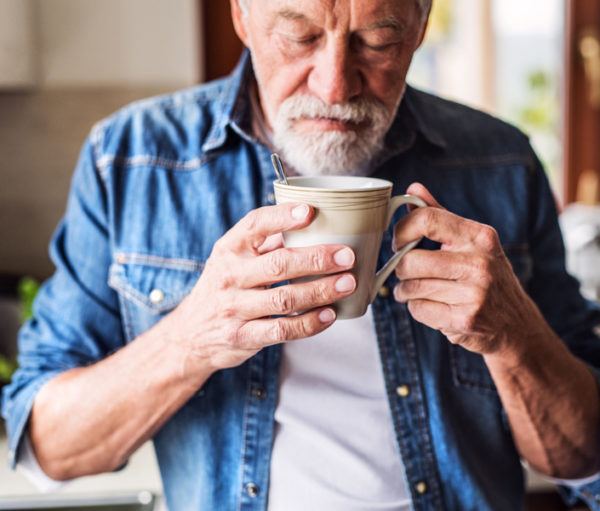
(278, 168)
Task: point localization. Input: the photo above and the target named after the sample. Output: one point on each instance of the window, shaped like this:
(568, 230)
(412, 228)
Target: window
(502, 56)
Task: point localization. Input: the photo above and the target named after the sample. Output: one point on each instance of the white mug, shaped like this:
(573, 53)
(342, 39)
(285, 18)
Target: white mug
(353, 211)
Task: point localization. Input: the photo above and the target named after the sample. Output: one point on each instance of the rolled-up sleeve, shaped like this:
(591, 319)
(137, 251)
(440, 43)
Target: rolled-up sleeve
(76, 318)
(575, 320)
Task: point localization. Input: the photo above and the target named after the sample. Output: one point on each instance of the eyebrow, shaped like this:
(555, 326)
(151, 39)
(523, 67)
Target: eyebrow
(389, 22)
(290, 14)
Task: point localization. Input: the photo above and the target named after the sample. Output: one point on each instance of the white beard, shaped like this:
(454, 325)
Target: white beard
(330, 152)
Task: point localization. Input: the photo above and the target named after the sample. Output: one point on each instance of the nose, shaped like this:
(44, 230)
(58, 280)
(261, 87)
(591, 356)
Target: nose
(335, 78)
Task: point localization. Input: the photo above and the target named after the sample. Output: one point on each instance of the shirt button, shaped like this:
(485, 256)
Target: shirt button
(252, 490)
(384, 291)
(271, 198)
(421, 487)
(259, 393)
(156, 296)
(403, 390)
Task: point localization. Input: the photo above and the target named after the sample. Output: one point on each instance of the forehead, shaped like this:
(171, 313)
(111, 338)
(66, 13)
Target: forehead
(332, 13)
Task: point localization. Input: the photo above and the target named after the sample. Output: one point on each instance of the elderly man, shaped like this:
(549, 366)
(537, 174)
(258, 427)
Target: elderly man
(163, 321)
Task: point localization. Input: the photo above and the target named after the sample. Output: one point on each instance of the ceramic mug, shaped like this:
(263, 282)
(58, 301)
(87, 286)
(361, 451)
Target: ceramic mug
(353, 211)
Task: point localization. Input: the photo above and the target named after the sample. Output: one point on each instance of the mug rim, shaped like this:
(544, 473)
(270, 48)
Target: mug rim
(380, 184)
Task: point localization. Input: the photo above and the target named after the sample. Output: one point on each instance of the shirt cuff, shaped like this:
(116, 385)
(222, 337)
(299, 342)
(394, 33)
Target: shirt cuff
(573, 483)
(28, 465)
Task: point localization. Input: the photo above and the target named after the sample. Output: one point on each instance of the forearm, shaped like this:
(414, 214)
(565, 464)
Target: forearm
(91, 419)
(551, 400)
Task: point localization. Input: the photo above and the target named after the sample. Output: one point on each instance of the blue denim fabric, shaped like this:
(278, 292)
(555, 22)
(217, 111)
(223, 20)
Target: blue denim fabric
(163, 179)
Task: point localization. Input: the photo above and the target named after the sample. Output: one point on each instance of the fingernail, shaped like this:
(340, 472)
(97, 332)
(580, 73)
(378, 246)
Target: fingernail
(398, 293)
(344, 257)
(345, 283)
(300, 212)
(326, 316)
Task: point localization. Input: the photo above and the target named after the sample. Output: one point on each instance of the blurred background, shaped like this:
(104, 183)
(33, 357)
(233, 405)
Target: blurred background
(65, 64)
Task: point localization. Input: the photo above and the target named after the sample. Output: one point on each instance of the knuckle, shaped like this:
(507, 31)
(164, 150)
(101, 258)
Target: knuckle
(219, 246)
(466, 323)
(276, 265)
(415, 307)
(487, 238)
(304, 327)
(282, 300)
(426, 216)
(278, 330)
(318, 259)
(222, 248)
(480, 268)
(229, 306)
(232, 335)
(320, 291)
(251, 220)
(226, 279)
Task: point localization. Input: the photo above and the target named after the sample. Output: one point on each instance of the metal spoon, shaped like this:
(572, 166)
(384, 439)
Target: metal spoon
(278, 168)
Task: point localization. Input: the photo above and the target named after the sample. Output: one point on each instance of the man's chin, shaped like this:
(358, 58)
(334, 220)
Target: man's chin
(326, 152)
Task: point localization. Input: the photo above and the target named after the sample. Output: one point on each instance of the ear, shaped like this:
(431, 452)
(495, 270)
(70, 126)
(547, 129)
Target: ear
(239, 23)
(423, 30)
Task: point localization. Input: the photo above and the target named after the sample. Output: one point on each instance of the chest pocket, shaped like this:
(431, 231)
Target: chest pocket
(468, 368)
(149, 287)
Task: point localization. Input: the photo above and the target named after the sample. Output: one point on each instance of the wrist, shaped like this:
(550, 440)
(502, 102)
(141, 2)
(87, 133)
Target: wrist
(178, 359)
(524, 350)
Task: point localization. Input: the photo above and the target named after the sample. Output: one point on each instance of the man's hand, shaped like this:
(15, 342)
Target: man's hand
(227, 317)
(467, 289)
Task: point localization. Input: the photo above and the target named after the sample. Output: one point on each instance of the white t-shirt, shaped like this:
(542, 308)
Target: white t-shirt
(334, 446)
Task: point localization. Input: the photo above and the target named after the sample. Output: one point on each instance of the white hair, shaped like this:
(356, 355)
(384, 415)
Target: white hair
(333, 152)
(244, 6)
(424, 6)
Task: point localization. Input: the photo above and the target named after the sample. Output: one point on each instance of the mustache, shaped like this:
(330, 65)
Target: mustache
(311, 107)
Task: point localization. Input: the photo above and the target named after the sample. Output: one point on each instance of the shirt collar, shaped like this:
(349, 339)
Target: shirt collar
(413, 116)
(424, 120)
(235, 108)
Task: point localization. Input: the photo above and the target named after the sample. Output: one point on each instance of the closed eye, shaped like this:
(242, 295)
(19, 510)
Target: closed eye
(304, 41)
(380, 47)
(360, 44)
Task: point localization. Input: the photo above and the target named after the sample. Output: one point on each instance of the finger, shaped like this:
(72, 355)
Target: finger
(268, 331)
(271, 243)
(296, 297)
(419, 190)
(452, 231)
(437, 290)
(441, 264)
(252, 230)
(454, 321)
(290, 263)
(435, 315)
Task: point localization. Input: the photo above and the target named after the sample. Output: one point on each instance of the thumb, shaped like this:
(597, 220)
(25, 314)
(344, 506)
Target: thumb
(419, 190)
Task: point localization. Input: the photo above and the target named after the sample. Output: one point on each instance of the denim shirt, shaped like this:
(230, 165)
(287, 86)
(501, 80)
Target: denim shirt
(159, 182)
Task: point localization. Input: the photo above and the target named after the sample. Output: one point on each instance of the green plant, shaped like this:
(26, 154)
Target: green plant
(27, 289)
(7, 367)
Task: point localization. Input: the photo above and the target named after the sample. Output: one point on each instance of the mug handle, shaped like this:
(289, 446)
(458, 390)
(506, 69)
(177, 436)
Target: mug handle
(390, 266)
